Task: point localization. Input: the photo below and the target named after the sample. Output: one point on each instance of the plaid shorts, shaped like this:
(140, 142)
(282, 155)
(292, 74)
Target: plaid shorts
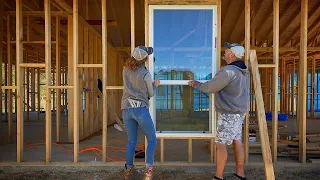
(229, 128)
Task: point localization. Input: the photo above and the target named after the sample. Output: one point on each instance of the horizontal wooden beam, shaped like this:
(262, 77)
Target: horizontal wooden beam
(8, 87)
(258, 49)
(37, 13)
(90, 22)
(60, 87)
(32, 42)
(89, 65)
(266, 65)
(114, 87)
(32, 65)
(183, 2)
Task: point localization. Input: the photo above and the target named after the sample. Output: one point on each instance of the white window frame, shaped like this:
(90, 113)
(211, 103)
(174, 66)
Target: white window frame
(152, 108)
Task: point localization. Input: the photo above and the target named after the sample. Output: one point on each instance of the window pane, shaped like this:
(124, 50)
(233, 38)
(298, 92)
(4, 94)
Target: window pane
(181, 108)
(183, 44)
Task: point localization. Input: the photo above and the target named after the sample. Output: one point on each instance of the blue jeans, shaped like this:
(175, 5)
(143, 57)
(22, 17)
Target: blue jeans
(133, 117)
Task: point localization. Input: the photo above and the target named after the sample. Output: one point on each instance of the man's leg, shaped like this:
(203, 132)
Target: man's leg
(239, 156)
(221, 156)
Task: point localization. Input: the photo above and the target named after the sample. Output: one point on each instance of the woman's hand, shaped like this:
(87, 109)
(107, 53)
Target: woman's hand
(156, 82)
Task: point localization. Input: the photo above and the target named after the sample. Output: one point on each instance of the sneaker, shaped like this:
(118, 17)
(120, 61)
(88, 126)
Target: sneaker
(216, 178)
(128, 173)
(148, 173)
(239, 177)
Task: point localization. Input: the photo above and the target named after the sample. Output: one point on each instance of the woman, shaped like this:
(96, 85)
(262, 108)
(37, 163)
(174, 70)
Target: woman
(138, 89)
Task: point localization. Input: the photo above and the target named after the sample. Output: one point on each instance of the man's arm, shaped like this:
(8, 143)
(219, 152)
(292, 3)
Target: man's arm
(219, 81)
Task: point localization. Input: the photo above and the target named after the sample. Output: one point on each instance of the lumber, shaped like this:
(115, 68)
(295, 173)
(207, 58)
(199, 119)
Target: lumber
(302, 110)
(265, 146)
(104, 80)
(247, 51)
(19, 75)
(75, 81)
(48, 78)
(275, 80)
(58, 79)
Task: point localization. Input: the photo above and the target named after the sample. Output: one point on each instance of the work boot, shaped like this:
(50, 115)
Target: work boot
(148, 173)
(128, 173)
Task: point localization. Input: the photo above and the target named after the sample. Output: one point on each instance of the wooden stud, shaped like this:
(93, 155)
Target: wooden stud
(47, 11)
(275, 80)
(79, 76)
(90, 82)
(76, 80)
(19, 82)
(265, 146)
(104, 80)
(190, 150)
(33, 89)
(58, 79)
(9, 97)
(212, 150)
(53, 81)
(219, 26)
(303, 81)
(38, 88)
(28, 90)
(133, 25)
(6, 91)
(247, 51)
(94, 83)
(253, 24)
(146, 42)
(162, 150)
(86, 82)
(292, 90)
(70, 79)
(313, 70)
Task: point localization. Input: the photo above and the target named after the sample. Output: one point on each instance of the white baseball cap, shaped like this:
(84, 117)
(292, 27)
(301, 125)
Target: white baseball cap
(141, 52)
(237, 49)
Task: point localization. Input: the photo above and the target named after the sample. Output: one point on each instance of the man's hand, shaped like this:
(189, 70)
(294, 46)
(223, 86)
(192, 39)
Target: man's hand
(193, 83)
(156, 82)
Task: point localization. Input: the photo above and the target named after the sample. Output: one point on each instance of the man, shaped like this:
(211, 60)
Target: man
(231, 89)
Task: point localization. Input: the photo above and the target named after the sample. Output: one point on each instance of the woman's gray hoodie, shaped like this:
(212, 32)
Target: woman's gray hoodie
(231, 88)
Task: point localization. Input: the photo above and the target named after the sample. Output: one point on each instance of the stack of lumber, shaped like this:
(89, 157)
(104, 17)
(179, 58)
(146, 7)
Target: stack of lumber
(312, 147)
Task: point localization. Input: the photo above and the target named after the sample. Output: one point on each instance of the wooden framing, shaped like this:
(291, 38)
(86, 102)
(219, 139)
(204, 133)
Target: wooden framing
(75, 81)
(267, 158)
(88, 49)
(104, 80)
(58, 79)
(302, 111)
(275, 80)
(48, 78)
(247, 55)
(19, 82)
(9, 83)
(182, 2)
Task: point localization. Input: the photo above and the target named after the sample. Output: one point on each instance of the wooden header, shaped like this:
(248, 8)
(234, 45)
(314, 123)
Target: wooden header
(183, 2)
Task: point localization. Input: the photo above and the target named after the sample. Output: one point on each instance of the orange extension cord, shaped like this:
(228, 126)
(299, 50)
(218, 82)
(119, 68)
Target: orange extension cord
(97, 149)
